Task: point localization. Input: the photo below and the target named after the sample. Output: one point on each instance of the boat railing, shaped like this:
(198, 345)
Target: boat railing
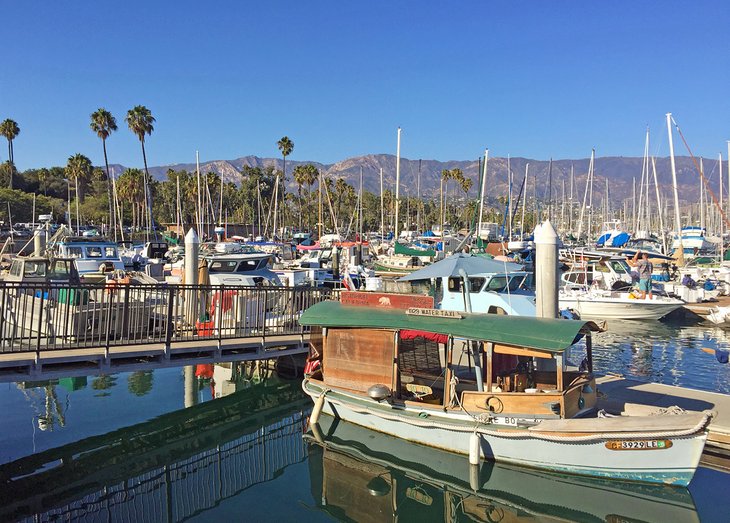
(51, 316)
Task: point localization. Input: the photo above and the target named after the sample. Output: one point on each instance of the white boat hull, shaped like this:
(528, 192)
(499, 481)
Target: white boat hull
(674, 465)
(589, 306)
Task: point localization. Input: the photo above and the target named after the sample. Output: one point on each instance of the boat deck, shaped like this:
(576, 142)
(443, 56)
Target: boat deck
(615, 392)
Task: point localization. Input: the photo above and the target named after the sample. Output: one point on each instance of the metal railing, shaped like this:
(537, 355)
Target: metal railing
(50, 317)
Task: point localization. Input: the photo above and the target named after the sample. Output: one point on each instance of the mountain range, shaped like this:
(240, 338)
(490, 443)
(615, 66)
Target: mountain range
(621, 173)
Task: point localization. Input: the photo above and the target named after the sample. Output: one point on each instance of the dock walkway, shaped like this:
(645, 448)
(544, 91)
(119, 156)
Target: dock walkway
(616, 393)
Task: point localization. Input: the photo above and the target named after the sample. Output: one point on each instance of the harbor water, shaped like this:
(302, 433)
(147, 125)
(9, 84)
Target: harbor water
(231, 442)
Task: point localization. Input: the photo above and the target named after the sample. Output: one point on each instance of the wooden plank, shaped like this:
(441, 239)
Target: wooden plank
(355, 359)
(538, 403)
(520, 351)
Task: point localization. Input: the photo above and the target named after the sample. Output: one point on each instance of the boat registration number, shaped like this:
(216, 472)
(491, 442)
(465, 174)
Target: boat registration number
(650, 444)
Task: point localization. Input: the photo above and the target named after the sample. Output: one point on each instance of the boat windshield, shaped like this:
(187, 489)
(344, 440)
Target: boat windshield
(249, 265)
(618, 266)
(499, 283)
(223, 266)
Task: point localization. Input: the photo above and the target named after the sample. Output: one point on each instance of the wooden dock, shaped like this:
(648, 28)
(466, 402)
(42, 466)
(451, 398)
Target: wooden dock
(45, 364)
(618, 394)
(703, 309)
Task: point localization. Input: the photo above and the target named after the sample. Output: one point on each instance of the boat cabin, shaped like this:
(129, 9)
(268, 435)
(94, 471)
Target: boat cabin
(38, 270)
(518, 370)
(91, 255)
(607, 272)
(253, 268)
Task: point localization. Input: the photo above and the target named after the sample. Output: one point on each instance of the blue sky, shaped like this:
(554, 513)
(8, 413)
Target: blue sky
(229, 78)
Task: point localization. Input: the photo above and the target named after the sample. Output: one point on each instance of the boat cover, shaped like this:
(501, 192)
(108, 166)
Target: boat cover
(547, 334)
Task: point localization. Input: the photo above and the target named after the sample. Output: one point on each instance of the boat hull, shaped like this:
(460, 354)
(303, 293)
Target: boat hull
(675, 465)
(618, 310)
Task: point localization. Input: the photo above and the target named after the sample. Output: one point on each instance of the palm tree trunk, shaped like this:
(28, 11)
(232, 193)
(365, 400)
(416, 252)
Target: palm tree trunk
(10, 158)
(78, 214)
(112, 216)
(146, 203)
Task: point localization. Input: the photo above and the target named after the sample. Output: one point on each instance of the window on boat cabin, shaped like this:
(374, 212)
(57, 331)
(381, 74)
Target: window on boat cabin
(600, 267)
(110, 252)
(60, 268)
(497, 284)
(619, 267)
(421, 367)
(93, 252)
(16, 269)
(74, 252)
(35, 268)
(475, 284)
(454, 284)
(580, 277)
(248, 265)
(222, 266)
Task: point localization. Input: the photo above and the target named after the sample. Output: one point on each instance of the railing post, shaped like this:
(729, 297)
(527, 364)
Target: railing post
(170, 319)
(108, 296)
(219, 322)
(38, 336)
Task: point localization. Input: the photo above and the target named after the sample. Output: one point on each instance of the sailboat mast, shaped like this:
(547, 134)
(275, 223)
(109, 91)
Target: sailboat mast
(418, 196)
(397, 184)
(659, 206)
(585, 195)
(702, 196)
(524, 204)
(677, 218)
(509, 198)
(481, 192)
(382, 207)
(550, 191)
(200, 203)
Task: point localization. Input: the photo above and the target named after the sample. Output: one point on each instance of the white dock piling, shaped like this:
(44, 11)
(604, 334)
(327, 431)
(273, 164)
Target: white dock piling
(546, 270)
(192, 255)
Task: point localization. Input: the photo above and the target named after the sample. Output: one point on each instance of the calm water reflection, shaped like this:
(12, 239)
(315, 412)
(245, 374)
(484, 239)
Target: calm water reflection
(230, 441)
(664, 353)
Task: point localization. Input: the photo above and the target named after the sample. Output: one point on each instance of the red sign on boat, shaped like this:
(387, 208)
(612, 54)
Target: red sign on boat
(385, 300)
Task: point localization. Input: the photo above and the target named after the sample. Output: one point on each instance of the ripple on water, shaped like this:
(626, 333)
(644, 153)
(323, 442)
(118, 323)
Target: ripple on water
(664, 352)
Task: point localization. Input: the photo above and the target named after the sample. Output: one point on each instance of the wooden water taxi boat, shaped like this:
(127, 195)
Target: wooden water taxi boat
(486, 385)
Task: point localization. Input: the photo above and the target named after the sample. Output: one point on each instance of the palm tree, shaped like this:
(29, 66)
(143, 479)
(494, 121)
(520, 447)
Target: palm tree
(78, 168)
(10, 130)
(310, 176)
(103, 124)
(140, 120)
(300, 176)
(129, 187)
(446, 175)
(286, 146)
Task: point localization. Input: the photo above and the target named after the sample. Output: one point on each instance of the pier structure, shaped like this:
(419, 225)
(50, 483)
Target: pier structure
(53, 330)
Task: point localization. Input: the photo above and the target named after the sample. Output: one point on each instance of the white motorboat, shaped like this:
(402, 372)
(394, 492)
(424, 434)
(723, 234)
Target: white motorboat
(617, 305)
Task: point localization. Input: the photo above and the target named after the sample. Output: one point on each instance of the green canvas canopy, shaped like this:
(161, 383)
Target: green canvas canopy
(551, 335)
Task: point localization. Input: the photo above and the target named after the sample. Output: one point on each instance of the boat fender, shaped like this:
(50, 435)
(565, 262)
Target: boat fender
(475, 448)
(317, 410)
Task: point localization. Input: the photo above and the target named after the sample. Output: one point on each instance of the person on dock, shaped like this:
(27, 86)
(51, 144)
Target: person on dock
(644, 267)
